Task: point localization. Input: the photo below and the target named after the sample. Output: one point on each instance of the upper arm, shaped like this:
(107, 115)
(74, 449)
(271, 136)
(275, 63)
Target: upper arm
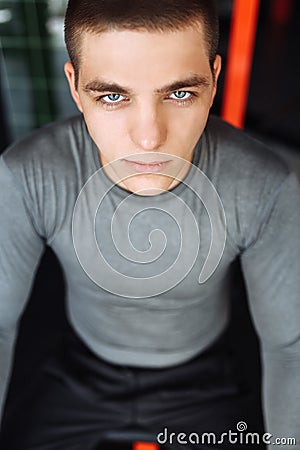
(20, 249)
(271, 268)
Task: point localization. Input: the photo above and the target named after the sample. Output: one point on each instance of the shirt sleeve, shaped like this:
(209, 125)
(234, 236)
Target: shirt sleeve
(20, 250)
(271, 267)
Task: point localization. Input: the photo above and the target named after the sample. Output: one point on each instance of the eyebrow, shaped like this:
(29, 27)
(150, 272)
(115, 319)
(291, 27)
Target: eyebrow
(192, 81)
(107, 86)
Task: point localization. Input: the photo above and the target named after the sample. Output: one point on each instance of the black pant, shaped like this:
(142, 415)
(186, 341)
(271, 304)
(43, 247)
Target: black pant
(79, 400)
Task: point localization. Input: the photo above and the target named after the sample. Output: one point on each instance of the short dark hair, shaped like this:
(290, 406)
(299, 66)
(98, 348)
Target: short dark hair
(97, 16)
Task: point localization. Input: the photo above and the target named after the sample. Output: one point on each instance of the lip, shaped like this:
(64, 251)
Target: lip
(149, 166)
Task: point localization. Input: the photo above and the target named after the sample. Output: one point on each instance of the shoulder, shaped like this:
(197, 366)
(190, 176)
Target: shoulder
(247, 175)
(241, 155)
(48, 168)
(51, 145)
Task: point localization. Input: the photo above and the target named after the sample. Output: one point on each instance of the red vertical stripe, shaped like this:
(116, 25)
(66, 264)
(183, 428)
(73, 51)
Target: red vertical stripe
(145, 446)
(240, 54)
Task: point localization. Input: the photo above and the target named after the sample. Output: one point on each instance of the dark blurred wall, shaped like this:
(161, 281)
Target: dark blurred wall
(274, 97)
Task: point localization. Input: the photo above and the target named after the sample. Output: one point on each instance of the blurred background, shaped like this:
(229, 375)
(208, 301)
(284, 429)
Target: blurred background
(33, 92)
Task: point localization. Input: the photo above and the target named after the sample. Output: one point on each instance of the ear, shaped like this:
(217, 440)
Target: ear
(217, 69)
(70, 74)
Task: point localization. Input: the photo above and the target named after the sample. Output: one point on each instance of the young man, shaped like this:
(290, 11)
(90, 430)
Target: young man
(147, 203)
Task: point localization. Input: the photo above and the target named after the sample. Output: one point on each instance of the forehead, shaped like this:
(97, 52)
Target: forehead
(141, 57)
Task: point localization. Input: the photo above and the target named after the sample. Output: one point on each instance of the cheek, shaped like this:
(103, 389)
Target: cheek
(188, 125)
(105, 128)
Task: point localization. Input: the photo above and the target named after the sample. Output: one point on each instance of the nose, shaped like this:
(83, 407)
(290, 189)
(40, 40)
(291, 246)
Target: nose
(148, 129)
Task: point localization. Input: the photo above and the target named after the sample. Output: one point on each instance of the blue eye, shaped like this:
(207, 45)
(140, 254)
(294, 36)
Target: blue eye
(113, 98)
(181, 95)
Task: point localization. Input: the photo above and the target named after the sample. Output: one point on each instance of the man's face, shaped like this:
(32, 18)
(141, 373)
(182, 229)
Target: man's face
(145, 97)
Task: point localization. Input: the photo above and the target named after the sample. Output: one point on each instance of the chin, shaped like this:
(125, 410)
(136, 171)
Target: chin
(148, 184)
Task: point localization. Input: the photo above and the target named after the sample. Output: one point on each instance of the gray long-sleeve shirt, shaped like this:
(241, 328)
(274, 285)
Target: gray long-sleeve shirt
(41, 178)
